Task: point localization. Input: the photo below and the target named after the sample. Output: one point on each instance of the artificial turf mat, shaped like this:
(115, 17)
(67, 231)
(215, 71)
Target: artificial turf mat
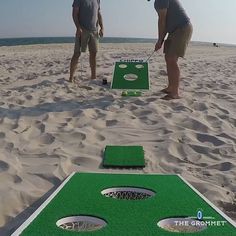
(140, 69)
(123, 156)
(82, 196)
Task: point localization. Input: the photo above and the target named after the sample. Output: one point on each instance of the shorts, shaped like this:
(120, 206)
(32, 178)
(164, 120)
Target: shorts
(177, 41)
(88, 39)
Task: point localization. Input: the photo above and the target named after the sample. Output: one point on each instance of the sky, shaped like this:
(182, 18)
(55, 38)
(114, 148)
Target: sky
(213, 20)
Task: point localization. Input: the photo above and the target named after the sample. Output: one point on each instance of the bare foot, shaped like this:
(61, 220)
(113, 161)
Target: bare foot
(71, 80)
(170, 97)
(165, 90)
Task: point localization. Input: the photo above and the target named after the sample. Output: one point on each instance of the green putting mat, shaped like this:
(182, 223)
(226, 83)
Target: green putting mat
(123, 204)
(124, 156)
(130, 75)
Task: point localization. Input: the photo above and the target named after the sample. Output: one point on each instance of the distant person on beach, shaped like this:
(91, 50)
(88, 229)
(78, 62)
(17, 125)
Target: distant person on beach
(173, 21)
(87, 18)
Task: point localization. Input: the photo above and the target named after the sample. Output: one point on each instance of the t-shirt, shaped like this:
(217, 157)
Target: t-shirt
(176, 15)
(88, 13)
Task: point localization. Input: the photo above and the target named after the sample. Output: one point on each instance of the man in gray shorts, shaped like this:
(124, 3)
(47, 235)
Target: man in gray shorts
(173, 21)
(87, 17)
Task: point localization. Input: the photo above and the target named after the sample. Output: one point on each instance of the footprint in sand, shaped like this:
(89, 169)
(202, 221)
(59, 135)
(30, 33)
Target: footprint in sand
(225, 166)
(17, 179)
(78, 136)
(148, 100)
(68, 120)
(200, 106)
(139, 102)
(228, 137)
(214, 121)
(2, 135)
(100, 137)
(57, 99)
(3, 166)
(194, 124)
(162, 72)
(181, 108)
(41, 127)
(200, 149)
(46, 139)
(144, 113)
(111, 123)
(85, 161)
(210, 139)
(147, 121)
(31, 76)
(9, 146)
(29, 97)
(70, 137)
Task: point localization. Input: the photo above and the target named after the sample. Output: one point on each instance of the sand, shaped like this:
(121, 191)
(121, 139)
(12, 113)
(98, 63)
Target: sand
(50, 128)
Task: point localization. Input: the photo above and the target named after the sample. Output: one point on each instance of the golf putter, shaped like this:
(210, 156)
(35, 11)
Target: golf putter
(150, 56)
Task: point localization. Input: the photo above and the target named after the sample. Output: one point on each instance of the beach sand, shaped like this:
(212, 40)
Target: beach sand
(50, 128)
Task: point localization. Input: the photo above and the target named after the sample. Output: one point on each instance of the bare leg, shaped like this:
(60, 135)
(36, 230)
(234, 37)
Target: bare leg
(73, 65)
(173, 76)
(92, 61)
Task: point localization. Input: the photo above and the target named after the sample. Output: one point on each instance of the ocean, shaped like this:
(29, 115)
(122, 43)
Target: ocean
(55, 40)
(48, 40)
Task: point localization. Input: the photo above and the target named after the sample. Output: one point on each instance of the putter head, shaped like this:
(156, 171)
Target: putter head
(104, 81)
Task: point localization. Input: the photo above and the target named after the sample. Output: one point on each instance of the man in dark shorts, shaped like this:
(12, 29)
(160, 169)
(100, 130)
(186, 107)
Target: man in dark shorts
(87, 17)
(173, 21)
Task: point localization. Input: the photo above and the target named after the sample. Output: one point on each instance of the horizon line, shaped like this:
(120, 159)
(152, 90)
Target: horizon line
(35, 37)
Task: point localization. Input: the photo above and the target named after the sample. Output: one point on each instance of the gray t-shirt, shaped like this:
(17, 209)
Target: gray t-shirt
(176, 15)
(88, 13)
